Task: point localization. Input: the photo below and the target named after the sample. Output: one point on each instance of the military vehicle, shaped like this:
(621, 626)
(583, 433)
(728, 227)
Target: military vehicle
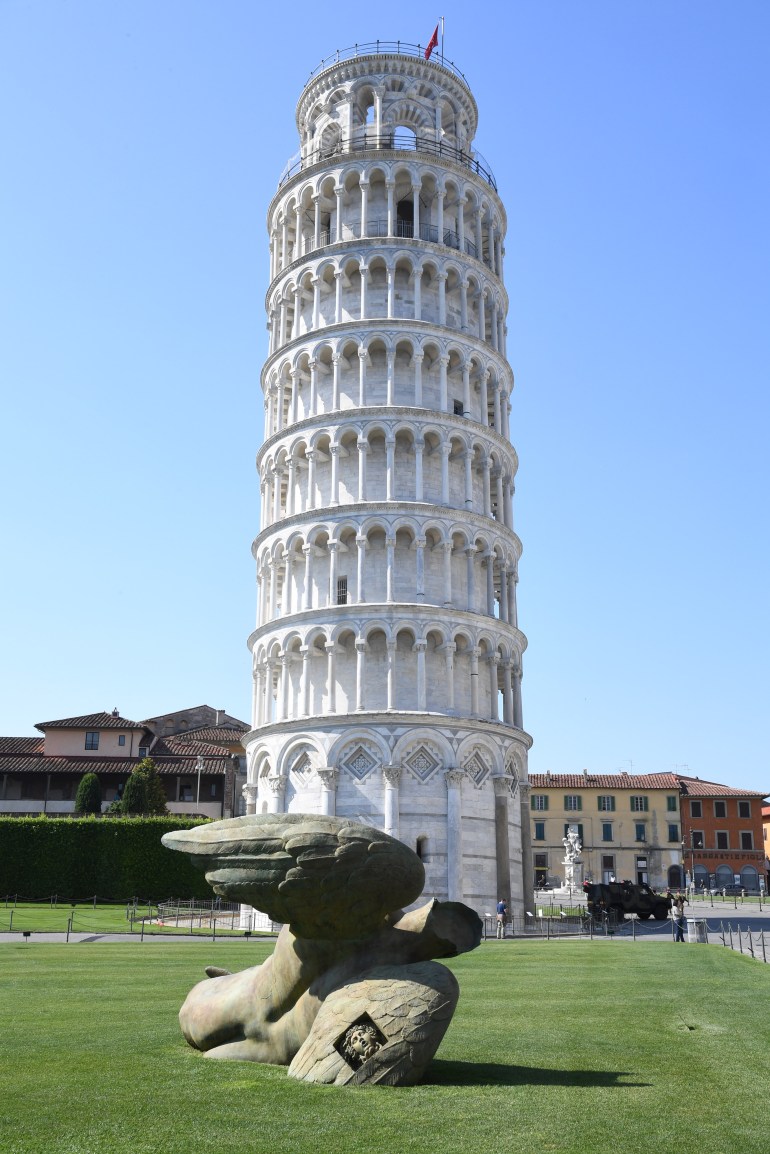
(617, 899)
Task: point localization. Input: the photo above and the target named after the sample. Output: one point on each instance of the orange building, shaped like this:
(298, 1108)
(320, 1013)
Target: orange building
(722, 835)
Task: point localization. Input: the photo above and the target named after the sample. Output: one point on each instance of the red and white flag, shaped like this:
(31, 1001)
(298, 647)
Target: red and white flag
(432, 43)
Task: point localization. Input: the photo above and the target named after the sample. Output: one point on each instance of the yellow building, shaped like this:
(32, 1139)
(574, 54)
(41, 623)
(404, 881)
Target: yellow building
(629, 825)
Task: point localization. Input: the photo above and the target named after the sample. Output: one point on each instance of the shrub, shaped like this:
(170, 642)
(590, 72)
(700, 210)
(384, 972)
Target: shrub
(89, 795)
(144, 793)
(114, 858)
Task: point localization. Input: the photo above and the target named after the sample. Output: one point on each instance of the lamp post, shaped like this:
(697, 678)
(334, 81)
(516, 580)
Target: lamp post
(199, 767)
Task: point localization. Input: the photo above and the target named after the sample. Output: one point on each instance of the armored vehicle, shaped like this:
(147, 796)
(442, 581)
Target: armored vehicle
(621, 898)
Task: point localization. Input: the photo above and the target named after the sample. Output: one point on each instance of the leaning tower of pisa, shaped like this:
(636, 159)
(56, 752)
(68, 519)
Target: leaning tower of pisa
(387, 654)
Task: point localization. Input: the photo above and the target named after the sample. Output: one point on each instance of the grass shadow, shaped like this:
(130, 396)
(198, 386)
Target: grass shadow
(443, 1073)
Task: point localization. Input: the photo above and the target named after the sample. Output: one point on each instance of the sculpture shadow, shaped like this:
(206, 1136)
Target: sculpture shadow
(443, 1073)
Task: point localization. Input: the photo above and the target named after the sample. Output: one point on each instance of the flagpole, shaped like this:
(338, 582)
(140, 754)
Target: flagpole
(442, 40)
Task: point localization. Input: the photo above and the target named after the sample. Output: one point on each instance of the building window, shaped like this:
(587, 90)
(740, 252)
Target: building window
(579, 829)
(539, 831)
(671, 804)
(744, 809)
(539, 801)
(458, 408)
(720, 809)
(696, 839)
(342, 590)
(747, 839)
(673, 831)
(639, 803)
(723, 840)
(695, 809)
(573, 801)
(541, 868)
(606, 831)
(606, 803)
(92, 739)
(121, 739)
(641, 831)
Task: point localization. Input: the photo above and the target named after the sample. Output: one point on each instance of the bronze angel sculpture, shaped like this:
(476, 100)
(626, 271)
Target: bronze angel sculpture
(350, 993)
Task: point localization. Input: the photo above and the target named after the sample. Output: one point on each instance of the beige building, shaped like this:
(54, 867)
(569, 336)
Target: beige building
(198, 754)
(629, 825)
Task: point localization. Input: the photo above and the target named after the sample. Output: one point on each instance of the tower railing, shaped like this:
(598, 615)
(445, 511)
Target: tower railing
(386, 48)
(393, 141)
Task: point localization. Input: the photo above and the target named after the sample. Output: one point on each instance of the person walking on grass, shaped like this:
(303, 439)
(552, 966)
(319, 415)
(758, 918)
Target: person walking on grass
(502, 914)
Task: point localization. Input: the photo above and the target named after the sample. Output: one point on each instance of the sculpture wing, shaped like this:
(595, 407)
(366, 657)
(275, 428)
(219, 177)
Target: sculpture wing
(325, 876)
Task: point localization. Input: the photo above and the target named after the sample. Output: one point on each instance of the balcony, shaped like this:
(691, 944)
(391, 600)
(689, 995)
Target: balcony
(393, 141)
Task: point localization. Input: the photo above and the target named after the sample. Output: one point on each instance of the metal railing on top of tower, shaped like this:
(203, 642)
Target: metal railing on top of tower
(394, 141)
(386, 48)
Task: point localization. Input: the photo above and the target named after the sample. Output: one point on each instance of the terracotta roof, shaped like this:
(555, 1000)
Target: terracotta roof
(179, 745)
(91, 721)
(218, 734)
(14, 746)
(694, 787)
(605, 781)
(213, 764)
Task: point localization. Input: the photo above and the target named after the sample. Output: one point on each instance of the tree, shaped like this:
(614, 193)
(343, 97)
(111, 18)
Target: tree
(89, 795)
(144, 792)
(135, 794)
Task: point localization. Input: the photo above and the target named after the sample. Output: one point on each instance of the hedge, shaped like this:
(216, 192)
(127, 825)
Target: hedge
(113, 858)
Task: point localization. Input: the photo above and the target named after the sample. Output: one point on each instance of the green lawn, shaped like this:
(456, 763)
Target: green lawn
(87, 918)
(584, 1047)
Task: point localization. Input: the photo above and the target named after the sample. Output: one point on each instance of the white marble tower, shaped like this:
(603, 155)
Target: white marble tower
(387, 654)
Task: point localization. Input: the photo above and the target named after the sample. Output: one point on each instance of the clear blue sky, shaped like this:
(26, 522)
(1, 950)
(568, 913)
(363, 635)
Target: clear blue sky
(141, 143)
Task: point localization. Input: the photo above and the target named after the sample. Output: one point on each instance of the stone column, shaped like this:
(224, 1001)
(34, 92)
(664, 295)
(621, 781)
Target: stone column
(503, 594)
(419, 446)
(454, 834)
(507, 694)
(390, 467)
(443, 403)
(502, 788)
(360, 675)
(307, 601)
(486, 468)
(364, 186)
(527, 865)
(250, 792)
(446, 450)
(338, 234)
(419, 546)
(334, 451)
(493, 659)
(468, 458)
(364, 285)
(335, 382)
(490, 560)
(449, 656)
(475, 682)
(392, 777)
(416, 210)
(316, 224)
(441, 278)
(333, 548)
(391, 647)
(310, 458)
(418, 293)
(338, 296)
(329, 778)
(363, 449)
(390, 547)
(390, 186)
(362, 358)
(361, 542)
(464, 305)
(470, 553)
(313, 402)
(275, 798)
(391, 276)
(288, 578)
(419, 648)
(331, 676)
(518, 720)
(447, 547)
(418, 359)
(305, 682)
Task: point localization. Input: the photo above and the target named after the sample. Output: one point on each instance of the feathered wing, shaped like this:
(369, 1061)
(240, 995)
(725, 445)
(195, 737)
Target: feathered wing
(325, 876)
(406, 1008)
